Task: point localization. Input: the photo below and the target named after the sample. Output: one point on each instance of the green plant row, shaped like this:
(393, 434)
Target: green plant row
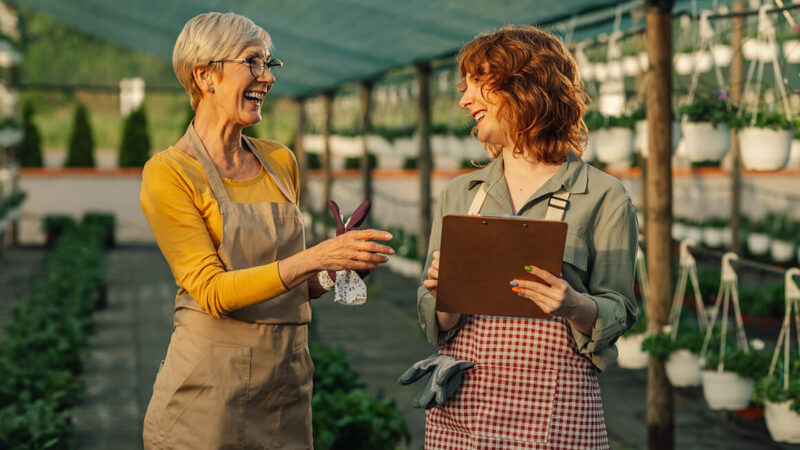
(390, 134)
(45, 339)
(716, 110)
(770, 388)
(595, 120)
(344, 414)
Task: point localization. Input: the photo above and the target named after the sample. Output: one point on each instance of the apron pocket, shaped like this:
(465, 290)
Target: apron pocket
(518, 406)
(207, 409)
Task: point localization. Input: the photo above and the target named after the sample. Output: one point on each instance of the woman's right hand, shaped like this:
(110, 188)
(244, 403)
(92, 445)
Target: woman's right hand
(354, 250)
(432, 283)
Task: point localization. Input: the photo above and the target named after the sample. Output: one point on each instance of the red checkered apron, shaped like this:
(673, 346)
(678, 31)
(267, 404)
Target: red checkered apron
(530, 388)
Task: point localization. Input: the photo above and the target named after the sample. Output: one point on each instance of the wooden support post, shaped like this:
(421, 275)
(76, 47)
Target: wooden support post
(327, 108)
(737, 81)
(364, 126)
(299, 151)
(425, 161)
(660, 408)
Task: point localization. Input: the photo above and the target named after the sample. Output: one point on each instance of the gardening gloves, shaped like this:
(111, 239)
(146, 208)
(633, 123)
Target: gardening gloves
(349, 287)
(446, 374)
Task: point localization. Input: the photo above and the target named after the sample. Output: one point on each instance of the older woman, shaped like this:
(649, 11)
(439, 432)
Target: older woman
(223, 209)
(534, 381)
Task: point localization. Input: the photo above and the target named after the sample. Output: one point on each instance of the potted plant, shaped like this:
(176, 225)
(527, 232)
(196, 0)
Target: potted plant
(612, 138)
(704, 127)
(783, 231)
(757, 237)
(680, 353)
(781, 406)
(728, 381)
(765, 141)
(678, 229)
(722, 54)
(715, 230)
(629, 346)
(794, 150)
(693, 229)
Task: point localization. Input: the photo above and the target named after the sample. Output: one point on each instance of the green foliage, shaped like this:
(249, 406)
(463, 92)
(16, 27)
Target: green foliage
(390, 134)
(771, 120)
(594, 119)
(639, 113)
(251, 131)
(42, 349)
(11, 202)
(770, 388)
(314, 161)
(708, 109)
(410, 163)
(781, 226)
(135, 148)
(762, 301)
(103, 226)
(344, 415)
(661, 345)
(354, 162)
(623, 121)
(30, 149)
(80, 151)
(58, 224)
(748, 364)
(716, 222)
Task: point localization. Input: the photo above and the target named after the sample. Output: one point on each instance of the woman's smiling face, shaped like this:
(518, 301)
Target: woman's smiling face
(483, 105)
(238, 96)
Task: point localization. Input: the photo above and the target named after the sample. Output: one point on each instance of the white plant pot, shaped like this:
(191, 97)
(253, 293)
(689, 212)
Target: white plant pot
(683, 63)
(642, 140)
(378, 145)
(678, 231)
(794, 155)
(630, 65)
(727, 237)
(600, 71)
(454, 146)
(615, 71)
(406, 147)
(767, 50)
(781, 251)
(683, 369)
(726, 390)
(630, 351)
(614, 145)
(390, 161)
(644, 61)
(783, 423)
(439, 145)
(791, 51)
(713, 237)
(751, 48)
(703, 61)
(694, 233)
(723, 54)
(703, 142)
(758, 243)
(346, 146)
(446, 162)
(587, 71)
(764, 149)
(313, 143)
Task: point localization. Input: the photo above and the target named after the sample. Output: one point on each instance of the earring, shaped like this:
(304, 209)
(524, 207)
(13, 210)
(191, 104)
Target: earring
(211, 89)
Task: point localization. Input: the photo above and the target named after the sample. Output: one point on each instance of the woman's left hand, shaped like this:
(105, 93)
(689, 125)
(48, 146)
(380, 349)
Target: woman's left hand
(556, 297)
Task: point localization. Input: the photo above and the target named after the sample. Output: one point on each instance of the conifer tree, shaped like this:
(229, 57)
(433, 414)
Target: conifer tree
(80, 152)
(30, 149)
(135, 148)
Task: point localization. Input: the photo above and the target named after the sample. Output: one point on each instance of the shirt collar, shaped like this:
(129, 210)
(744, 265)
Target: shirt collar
(573, 176)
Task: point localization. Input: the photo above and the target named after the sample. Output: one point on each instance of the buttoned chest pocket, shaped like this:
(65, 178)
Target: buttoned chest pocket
(576, 254)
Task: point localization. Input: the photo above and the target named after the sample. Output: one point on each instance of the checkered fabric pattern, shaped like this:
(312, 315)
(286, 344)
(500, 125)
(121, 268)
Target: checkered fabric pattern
(530, 389)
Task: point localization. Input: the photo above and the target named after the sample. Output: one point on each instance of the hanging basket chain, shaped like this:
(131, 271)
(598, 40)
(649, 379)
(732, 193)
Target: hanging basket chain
(688, 269)
(792, 296)
(730, 292)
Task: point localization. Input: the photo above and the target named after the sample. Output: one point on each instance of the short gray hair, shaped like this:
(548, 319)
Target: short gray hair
(212, 36)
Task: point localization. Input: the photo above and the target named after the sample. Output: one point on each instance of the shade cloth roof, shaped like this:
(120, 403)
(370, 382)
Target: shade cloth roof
(325, 43)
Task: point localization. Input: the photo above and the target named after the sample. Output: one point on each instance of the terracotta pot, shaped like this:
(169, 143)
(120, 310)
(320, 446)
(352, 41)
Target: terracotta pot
(783, 423)
(703, 142)
(764, 149)
(726, 390)
(683, 369)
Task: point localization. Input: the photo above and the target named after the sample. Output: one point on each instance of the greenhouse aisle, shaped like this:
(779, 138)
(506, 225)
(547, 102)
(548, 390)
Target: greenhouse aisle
(382, 339)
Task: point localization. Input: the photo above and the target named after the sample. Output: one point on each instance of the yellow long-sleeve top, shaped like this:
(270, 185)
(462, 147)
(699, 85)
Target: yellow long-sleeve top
(184, 215)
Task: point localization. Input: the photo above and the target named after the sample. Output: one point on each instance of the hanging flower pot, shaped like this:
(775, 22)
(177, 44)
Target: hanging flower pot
(791, 51)
(678, 230)
(683, 63)
(726, 390)
(704, 142)
(615, 70)
(683, 369)
(693, 231)
(614, 145)
(783, 423)
(751, 49)
(794, 155)
(781, 251)
(764, 148)
(642, 141)
(600, 71)
(644, 61)
(714, 232)
(723, 54)
(630, 351)
(703, 61)
(758, 243)
(630, 65)
(378, 144)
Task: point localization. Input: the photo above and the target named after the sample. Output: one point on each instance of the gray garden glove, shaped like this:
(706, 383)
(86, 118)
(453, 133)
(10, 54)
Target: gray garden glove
(446, 374)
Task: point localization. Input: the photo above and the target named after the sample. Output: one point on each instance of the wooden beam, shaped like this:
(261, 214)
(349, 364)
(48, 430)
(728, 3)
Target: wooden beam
(660, 408)
(425, 161)
(737, 84)
(364, 126)
(327, 111)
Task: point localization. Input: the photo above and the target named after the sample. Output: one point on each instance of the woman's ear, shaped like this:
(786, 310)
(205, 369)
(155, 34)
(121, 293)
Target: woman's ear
(204, 77)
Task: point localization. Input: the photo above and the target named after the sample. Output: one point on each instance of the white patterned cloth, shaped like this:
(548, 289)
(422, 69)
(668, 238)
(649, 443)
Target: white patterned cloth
(349, 288)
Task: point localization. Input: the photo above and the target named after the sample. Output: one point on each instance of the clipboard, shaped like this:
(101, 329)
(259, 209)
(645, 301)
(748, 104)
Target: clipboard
(481, 254)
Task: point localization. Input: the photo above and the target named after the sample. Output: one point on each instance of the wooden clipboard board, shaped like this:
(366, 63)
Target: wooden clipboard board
(480, 255)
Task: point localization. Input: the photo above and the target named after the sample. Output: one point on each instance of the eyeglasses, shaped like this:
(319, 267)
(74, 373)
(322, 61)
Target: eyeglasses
(257, 65)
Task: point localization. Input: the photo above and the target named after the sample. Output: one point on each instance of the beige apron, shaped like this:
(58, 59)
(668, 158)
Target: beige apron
(241, 381)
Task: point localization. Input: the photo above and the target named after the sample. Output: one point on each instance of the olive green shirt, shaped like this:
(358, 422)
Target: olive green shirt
(600, 249)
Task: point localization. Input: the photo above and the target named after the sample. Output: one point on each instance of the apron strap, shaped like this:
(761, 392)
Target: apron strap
(201, 153)
(556, 206)
(288, 194)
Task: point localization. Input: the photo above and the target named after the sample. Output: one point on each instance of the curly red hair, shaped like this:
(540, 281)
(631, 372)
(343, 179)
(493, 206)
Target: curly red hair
(542, 100)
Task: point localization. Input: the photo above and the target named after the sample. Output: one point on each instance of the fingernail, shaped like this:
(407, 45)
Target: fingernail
(388, 235)
(513, 283)
(515, 289)
(528, 268)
